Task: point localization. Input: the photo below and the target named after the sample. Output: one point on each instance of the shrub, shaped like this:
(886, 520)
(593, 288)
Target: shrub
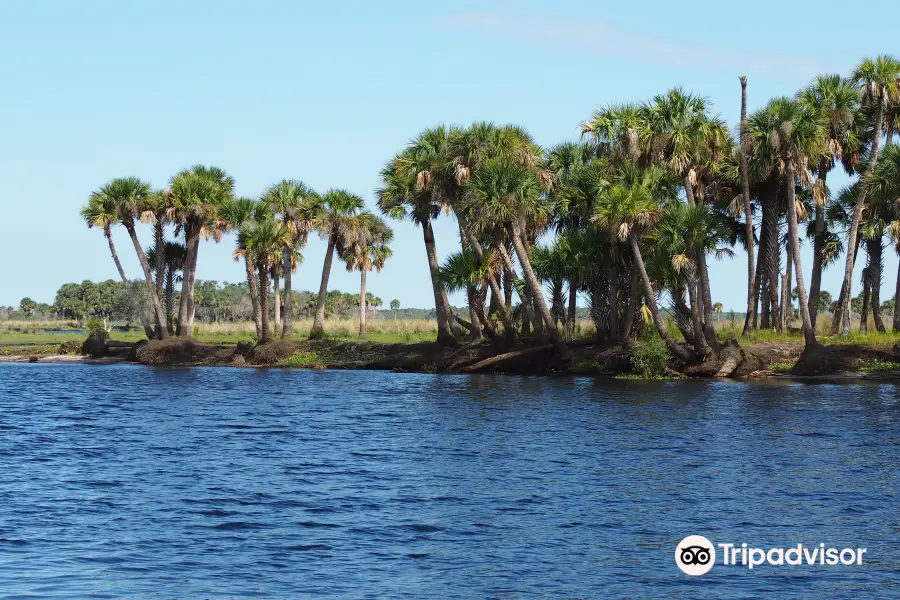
(70, 347)
(650, 358)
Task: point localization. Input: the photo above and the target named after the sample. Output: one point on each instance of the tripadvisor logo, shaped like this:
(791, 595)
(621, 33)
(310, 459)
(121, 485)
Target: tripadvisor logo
(696, 555)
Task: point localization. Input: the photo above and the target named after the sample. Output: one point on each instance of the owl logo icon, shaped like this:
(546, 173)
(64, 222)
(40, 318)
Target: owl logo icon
(695, 555)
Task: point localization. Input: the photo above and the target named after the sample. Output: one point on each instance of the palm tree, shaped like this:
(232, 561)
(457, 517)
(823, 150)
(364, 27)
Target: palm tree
(630, 207)
(796, 134)
(743, 144)
(101, 211)
(463, 271)
(368, 251)
(235, 214)
(879, 83)
(835, 101)
(263, 240)
(399, 197)
(884, 186)
(299, 209)
(128, 194)
(507, 194)
(340, 226)
(395, 306)
(174, 255)
(197, 194)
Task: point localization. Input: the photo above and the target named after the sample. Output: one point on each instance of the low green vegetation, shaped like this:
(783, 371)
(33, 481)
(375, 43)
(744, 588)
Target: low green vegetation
(650, 358)
(876, 366)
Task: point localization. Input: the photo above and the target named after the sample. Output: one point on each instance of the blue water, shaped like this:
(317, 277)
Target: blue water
(132, 482)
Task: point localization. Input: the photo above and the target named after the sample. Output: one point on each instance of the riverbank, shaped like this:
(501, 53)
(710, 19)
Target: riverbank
(878, 360)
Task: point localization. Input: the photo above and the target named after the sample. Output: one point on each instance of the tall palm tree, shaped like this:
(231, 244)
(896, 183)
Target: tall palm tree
(835, 101)
(879, 83)
(508, 194)
(263, 241)
(197, 194)
(743, 145)
(101, 211)
(235, 214)
(369, 251)
(128, 194)
(796, 134)
(340, 227)
(399, 197)
(629, 208)
(299, 209)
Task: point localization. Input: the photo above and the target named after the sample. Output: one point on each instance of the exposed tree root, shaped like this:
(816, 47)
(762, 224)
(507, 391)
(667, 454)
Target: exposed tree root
(503, 357)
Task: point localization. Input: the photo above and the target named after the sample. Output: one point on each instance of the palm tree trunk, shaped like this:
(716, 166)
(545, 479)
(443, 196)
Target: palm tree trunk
(786, 305)
(613, 317)
(277, 299)
(148, 331)
(815, 283)
(510, 273)
(288, 316)
(446, 331)
(706, 297)
(192, 243)
(254, 297)
(160, 247)
(473, 298)
(509, 326)
(700, 345)
(151, 288)
(507, 291)
(538, 297)
(318, 327)
(570, 316)
(680, 352)
(170, 297)
(875, 267)
(842, 318)
(809, 333)
(265, 334)
(362, 303)
(634, 294)
(864, 316)
(748, 214)
(896, 321)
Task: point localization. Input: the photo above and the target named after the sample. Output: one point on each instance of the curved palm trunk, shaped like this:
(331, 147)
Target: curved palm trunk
(679, 351)
(474, 298)
(509, 326)
(446, 330)
(277, 300)
(254, 298)
(265, 334)
(318, 327)
(186, 302)
(362, 303)
(809, 333)
(151, 288)
(288, 316)
(145, 323)
(539, 303)
(748, 215)
(842, 317)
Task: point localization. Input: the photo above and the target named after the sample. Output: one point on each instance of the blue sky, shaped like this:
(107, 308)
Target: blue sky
(327, 92)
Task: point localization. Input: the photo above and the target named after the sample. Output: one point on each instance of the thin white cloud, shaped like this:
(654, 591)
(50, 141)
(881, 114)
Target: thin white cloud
(607, 39)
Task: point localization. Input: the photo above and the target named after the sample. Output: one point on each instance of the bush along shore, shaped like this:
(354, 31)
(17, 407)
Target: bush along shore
(643, 359)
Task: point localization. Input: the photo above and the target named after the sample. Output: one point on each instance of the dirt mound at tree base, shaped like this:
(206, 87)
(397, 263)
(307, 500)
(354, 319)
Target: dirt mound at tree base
(271, 353)
(180, 351)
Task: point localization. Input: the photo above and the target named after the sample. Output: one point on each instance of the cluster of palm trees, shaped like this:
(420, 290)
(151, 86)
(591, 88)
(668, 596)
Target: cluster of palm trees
(200, 204)
(641, 202)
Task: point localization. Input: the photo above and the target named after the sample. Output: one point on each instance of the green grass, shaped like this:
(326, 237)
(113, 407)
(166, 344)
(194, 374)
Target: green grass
(875, 366)
(781, 366)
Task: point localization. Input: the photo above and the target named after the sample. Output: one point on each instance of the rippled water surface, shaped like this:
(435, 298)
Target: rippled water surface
(127, 481)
